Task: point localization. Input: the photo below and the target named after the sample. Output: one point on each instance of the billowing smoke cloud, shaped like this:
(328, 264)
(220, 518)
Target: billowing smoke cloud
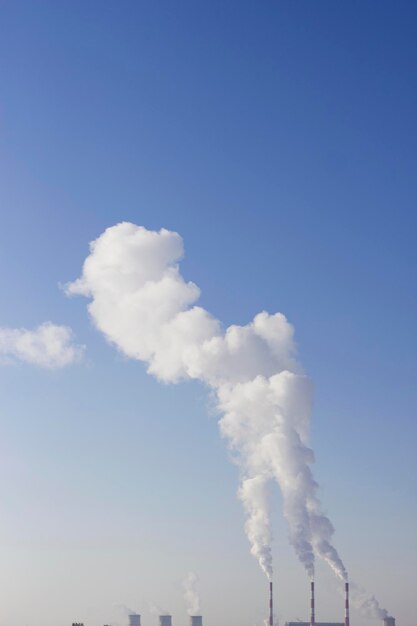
(142, 304)
(48, 345)
(191, 596)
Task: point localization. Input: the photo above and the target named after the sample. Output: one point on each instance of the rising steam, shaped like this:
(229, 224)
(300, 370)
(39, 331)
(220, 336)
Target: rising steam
(155, 609)
(366, 603)
(142, 304)
(191, 596)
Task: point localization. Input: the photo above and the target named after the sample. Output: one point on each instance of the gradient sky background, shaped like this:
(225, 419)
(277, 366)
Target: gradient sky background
(279, 139)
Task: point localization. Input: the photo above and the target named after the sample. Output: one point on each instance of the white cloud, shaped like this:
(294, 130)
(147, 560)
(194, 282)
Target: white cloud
(48, 345)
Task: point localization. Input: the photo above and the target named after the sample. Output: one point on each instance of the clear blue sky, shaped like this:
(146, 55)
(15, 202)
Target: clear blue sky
(279, 139)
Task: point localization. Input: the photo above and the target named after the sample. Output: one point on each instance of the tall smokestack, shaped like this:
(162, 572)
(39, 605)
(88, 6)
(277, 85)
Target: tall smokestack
(271, 610)
(389, 621)
(165, 620)
(196, 620)
(347, 604)
(312, 609)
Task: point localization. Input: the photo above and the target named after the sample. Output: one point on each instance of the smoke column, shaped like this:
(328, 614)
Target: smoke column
(144, 307)
(366, 603)
(125, 609)
(156, 610)
(191, 597)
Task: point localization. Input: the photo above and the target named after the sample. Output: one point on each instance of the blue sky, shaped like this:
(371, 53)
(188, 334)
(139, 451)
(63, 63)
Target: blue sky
(279, 140)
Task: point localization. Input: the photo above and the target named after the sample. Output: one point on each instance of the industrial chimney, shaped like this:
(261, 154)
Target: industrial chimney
(312, 609)
(346, 604)
(271, 609)
(389, 621)
(134, 619)
(165, 620)
(197, 620)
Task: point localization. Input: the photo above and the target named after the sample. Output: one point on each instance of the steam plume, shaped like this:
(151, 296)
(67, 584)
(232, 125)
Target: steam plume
(142, 304)
(367, 604)
(125, 609)
(191, 596)
(155, 609)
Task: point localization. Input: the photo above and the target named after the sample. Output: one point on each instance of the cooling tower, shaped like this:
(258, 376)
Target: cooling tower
(196, 620)
(134, 620)
(165, 620)
(389, 621)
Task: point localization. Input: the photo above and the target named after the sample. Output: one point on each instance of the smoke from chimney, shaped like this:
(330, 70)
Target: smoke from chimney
(143, 305)
(191, 596)
(366, 603)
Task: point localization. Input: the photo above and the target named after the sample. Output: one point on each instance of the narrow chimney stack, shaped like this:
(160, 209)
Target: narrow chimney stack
(271, 608)
(347, 604)
(312, 608)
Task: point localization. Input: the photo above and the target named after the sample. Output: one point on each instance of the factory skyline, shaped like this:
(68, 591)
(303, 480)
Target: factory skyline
(166, 619)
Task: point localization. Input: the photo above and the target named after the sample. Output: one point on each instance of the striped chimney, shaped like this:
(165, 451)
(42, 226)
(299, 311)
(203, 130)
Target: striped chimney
(347, 604)
(312, 610)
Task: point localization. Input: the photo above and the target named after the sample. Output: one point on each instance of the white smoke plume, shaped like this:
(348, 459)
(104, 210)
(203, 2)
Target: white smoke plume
(191, 596)
(143, 305)
(253, 494)
(155, 609)
(366, 603)
(125, 609)
(48, 345)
